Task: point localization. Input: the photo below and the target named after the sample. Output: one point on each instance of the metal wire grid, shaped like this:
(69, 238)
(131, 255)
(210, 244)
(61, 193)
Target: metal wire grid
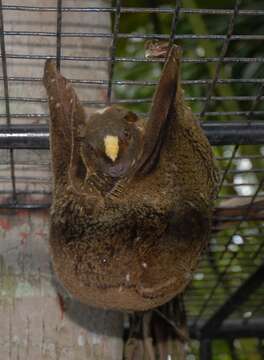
(234, 253)
(116, 35)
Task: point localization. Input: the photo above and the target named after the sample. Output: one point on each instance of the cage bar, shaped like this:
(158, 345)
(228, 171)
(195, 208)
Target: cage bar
(37, 137)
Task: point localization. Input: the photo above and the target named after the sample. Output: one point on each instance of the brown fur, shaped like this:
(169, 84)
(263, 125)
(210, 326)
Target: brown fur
(135, 245)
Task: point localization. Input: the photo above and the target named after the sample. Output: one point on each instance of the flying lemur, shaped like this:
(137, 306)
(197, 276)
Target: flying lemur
(132, 199)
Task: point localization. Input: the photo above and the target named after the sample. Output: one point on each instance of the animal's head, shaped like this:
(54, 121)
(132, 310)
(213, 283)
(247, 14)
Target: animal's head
(111, 141)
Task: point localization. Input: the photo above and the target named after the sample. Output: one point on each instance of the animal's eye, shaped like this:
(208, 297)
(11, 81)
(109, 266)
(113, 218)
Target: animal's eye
(127, 134)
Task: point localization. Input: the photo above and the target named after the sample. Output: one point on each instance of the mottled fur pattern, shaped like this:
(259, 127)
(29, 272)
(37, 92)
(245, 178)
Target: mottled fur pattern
(130, 242)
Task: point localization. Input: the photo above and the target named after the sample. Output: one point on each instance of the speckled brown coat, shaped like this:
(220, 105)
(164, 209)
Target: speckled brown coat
(137, 245)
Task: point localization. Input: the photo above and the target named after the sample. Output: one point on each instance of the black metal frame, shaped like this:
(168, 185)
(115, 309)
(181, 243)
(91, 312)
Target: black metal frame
(229, 133)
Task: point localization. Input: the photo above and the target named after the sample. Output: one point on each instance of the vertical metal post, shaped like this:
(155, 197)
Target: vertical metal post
(113, 50)
(205, 349)
(58, 33)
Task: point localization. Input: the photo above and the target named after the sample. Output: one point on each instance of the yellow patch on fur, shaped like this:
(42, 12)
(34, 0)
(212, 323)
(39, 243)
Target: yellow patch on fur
(111, 146)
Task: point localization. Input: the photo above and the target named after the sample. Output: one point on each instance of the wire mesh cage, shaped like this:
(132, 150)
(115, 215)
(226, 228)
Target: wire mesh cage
(222, 74)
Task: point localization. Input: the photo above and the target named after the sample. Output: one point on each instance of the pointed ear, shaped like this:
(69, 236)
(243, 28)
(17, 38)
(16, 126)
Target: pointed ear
(163, 102)
(67, 118)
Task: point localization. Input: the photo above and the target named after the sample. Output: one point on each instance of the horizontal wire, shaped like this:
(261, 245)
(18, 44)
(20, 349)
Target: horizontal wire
(20, 205)
(203, 60)
(96, 104)
(240, 185)
(135, 35)
(137, 101)
(161, 10)
(251, 81)
(229, 113)
(240, 157)
(26, 115)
